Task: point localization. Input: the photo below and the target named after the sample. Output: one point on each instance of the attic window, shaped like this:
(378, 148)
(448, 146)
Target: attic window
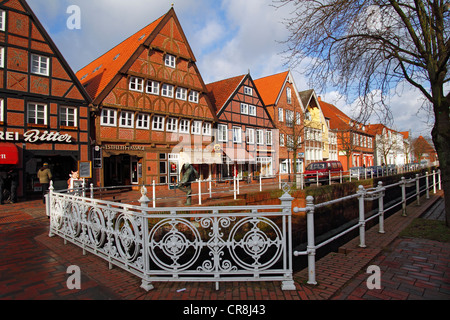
(142, 37)
(84, 77)
(117, 56)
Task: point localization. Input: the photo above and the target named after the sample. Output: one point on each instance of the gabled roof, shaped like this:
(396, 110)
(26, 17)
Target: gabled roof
(378, 129)
(338, 119)
(100, 72)
(53, 47)
(105, 71)
(270, 87)
(221, 91)
(306, 96)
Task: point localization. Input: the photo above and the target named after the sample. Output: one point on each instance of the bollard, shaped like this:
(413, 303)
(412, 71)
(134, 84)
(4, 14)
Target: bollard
(403, 186)
(381, 207)
(311, 247)
(362, 221)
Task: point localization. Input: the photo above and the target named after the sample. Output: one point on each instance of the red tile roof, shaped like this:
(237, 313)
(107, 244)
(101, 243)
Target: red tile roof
(221, 91)
(270, 87)
(100, 72)
(338, 119)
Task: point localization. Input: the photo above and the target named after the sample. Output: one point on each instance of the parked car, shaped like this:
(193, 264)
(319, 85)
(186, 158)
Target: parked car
(322, 171)
(356, 172)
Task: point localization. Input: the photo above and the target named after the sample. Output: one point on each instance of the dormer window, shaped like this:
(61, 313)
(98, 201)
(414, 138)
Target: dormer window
(170, 60)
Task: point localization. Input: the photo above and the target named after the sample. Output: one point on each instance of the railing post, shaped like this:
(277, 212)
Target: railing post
(329, 177)
(260, 182)
(311, 247)
(403, 186)
(234, 187)
(381, 206)
(154, 194)
(210, 187)
(427, 185)
(317, 178)
(439, 179)
(340, 176)
(48, 200)
(286, 202)
(434, 181)
(418, 189)
(200, 192)
(144, 200)
(92, 191)
(362, 219)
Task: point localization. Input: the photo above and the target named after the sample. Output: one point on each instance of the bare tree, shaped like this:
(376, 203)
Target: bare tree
(367, 48)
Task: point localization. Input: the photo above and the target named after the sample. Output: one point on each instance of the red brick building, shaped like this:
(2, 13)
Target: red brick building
(245, 130)
(152, 113)
(43, 107)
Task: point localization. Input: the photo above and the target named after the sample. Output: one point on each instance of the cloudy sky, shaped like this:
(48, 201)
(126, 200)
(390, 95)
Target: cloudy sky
(228, 37)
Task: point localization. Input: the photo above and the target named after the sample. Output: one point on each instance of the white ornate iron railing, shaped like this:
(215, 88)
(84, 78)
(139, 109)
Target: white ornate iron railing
(211, 244)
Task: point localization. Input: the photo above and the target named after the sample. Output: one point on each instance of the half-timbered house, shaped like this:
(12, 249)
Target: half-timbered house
(44, 109)
(152, 113)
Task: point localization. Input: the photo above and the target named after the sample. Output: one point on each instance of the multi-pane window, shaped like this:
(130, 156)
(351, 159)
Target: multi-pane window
(2, 57)
(68, 116)
(281, 139)
(280, 114)
(184, 126)
(170, 60)
(206, 129)
(108, 117)
(289, 118)
(2, 20)
(248, 91)
(37, 113)
(158, 123)
(244, 108)
(289, 95)
(237, 135)
(197, 127)
(152, 87)
(259, 137)
(40, 65)
(181, 94)
(252, 110)
(142, 121)
(2, 110)
(172, 124)
(167, 90)
(137, 84)
(126, 119)
(250, 136)
(193, 96)
(222, 133)
(269, 138)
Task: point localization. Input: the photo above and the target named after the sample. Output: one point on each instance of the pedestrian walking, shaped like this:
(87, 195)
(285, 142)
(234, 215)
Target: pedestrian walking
(13, 177)
(45, 176)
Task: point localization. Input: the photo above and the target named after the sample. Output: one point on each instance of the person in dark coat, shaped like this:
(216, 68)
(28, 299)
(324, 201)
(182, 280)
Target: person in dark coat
(13, 177)
(189, 175)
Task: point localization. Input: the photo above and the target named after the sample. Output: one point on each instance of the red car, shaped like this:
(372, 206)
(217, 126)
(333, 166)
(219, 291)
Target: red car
(322, 170)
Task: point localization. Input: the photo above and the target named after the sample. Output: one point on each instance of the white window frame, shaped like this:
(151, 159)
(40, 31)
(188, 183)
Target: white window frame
(110, 115)
(185, 125)
(2, 20)
(282, 143)
(206, 128)
(170, 61)
(136, 84)
(167, 90)
(158, 123)
(237, 134)
(269, 138)
(289, 95)
(244, 108)
(65, 113)
(143, 121)
(39, 111)
(2, 110)
(126, 119)
(260, 137)
(222, 133)
(248, 91)
(252, 110)
(172, 125)
(40, 64)
(2, 57)
(197, 127)
(152, 87)
(280, 115)
(194, 96)
(181, 93)
(250, 136)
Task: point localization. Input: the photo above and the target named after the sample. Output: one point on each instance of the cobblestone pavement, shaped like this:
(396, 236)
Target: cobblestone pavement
(34, 267)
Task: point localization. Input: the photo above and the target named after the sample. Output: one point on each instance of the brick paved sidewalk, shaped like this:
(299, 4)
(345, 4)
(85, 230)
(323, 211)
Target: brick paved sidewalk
(33, 266)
